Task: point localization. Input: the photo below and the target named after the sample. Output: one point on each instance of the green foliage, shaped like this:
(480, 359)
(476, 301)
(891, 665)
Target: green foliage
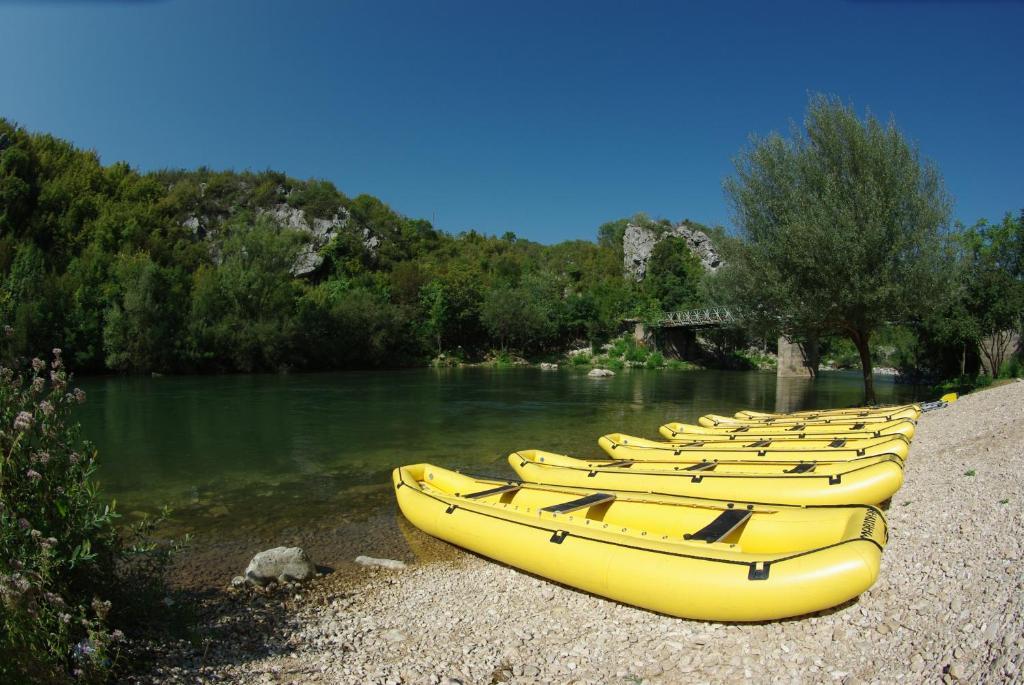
(1012, 368)
(655, 360)
(581, 359)
(674, 275)
(241, 309)
(188, 271)
(615, 364)
(147, 312)
(69, 579)
(752, 359)
(841, 228)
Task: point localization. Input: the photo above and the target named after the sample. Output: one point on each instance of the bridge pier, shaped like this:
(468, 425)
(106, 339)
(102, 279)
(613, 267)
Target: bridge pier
(797, 359)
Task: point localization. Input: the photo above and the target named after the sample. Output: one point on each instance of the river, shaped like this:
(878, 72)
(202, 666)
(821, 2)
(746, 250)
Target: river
(251, 460)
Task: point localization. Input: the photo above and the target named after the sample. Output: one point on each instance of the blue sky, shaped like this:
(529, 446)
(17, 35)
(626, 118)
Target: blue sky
(544, 118)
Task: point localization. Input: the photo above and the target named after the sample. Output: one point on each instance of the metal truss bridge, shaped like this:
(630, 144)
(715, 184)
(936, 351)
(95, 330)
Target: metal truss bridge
(699, 318)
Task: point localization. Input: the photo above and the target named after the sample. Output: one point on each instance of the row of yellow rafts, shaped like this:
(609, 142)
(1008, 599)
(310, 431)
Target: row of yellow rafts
(745, 518)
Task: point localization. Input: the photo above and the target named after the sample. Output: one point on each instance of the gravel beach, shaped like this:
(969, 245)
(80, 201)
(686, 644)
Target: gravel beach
(948, 605)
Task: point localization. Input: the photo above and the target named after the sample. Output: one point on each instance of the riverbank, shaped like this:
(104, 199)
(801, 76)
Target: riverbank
(948, 604)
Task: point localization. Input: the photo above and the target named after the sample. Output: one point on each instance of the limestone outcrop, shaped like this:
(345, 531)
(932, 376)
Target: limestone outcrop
(319, 232)
(638, 244)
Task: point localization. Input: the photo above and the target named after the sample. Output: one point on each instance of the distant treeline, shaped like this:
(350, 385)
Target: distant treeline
(193, 271)
(196, 271)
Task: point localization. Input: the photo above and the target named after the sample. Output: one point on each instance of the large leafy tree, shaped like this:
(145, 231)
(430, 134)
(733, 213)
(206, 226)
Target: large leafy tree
(842, 226)
(994, 297)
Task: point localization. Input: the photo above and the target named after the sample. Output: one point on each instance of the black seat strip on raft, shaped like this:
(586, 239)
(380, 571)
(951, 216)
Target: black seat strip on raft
(695, 443)
(857, 427)
(725, 523)
(760, 443)
(838, 442)
(741, 429)
(624, 464)
(802, 468)
(798, 427)
(703, 466)
(581, 503)
(500, 490)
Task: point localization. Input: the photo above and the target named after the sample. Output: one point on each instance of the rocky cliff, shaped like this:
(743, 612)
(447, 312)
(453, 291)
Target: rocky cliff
(638, 244)
(206, 215)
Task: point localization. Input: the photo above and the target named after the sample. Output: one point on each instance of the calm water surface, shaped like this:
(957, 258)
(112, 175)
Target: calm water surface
(283, 451)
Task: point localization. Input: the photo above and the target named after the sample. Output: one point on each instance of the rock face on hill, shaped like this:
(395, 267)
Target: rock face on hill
(319, 232)
(638, 244)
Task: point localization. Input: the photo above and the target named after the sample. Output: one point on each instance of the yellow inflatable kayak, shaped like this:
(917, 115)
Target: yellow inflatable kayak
(868, 480)
(694, 558)
(714, 420)
(904, 427)
(620, 446)
(903, 411)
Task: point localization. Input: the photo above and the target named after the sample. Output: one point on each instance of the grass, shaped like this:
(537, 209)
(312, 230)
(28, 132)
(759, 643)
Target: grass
(969, 472)
(1004, 501)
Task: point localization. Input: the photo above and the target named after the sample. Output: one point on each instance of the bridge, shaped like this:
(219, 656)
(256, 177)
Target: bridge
(795, 359)
(700, 318)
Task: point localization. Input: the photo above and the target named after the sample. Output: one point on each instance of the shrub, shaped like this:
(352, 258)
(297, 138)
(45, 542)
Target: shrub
(615, 364)
(618, 348)
(636, 353)
(655, 360)
(1011, 368)
(502, 358)
(581, 359)
(62, 560)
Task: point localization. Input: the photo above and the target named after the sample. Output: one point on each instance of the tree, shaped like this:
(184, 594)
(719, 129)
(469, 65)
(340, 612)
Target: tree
(842, 227)
(994, 297)
(435, 312)
(242, 310)
(673, 275)
(144, 322)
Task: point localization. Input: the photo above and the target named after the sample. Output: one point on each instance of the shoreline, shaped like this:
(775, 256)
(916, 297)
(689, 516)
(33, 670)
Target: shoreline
(948, 604)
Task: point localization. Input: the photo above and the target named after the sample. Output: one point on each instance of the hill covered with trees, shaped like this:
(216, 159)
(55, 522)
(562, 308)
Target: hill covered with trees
(206, 271)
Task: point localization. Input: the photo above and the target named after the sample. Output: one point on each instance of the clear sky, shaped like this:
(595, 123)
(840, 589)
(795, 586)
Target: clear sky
(544, 118)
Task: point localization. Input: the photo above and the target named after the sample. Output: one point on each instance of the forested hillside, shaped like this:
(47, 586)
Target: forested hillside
(204, 271)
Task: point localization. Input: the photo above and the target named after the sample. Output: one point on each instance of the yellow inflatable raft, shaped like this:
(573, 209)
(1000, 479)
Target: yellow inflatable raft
(621, 446)
(714, 420)
(904, 411)
(694, 558)
(801, 431)
(868, 480)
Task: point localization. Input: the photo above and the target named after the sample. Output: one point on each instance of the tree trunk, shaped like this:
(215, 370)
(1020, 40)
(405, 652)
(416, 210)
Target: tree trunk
(861, 341)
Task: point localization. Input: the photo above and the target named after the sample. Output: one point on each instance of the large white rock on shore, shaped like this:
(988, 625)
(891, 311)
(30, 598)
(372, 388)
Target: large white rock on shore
(600, 373)
(280, 565)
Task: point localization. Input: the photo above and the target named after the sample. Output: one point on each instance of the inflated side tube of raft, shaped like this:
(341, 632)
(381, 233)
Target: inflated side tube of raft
(687, 557)
(621, 446)
(800, 431)
(869, 480)
(904, 411)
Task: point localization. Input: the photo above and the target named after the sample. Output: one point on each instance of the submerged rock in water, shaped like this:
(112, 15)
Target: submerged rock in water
(548, 366)
(281, 565)
(392, 564)
(600, 373)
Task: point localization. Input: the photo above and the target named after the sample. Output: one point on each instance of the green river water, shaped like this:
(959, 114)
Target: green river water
(306, 458)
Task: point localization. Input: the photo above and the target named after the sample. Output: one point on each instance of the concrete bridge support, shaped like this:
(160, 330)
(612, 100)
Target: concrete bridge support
(797, 359)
